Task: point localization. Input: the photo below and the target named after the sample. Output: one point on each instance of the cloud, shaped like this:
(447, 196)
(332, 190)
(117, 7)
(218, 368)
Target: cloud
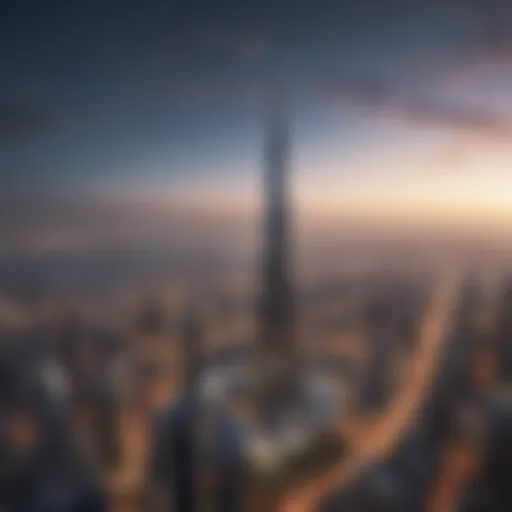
(207, 93)
(378, 98)
(454, 157)
(495, 24)
(253, 47)
(18, 120)
(248, 46)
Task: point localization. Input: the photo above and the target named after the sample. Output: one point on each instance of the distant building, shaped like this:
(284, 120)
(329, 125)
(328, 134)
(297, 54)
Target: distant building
(504, 334)
(497, 464)
(415, 463)
(153, 317)
(454, 382)
(105, 414)
(410, 304)
(40, 466)
(379, 372)
(491, 488)
(192, 442)
(277, 364)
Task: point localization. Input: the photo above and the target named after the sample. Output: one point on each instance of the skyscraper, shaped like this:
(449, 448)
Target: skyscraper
(193, 444)
(174, 470)
(277, 355)
(289, 389)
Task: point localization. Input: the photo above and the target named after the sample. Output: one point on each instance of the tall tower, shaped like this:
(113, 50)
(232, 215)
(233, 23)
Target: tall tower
(277, 356)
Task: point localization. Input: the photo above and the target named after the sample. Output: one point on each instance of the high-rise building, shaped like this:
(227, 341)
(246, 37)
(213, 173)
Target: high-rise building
(290, 416)
(492, 485)
(105, 410)
(174, 471)
(297, 403)
(504, 334)
(41, 467)
(193, 443)
(277, 358)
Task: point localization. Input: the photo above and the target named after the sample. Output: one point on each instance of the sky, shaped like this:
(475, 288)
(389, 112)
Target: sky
(114, 110)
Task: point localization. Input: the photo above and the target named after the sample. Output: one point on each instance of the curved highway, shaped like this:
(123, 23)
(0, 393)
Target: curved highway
(374, 438)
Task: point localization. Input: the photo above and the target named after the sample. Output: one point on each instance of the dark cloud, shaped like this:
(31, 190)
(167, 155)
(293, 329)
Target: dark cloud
(209, 94)
(253, 47)
(379, 98)
(495, 23)
(19, 120)
(247, 46)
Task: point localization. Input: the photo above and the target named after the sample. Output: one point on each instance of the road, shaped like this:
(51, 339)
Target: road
(375, 437)
(461, 458)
